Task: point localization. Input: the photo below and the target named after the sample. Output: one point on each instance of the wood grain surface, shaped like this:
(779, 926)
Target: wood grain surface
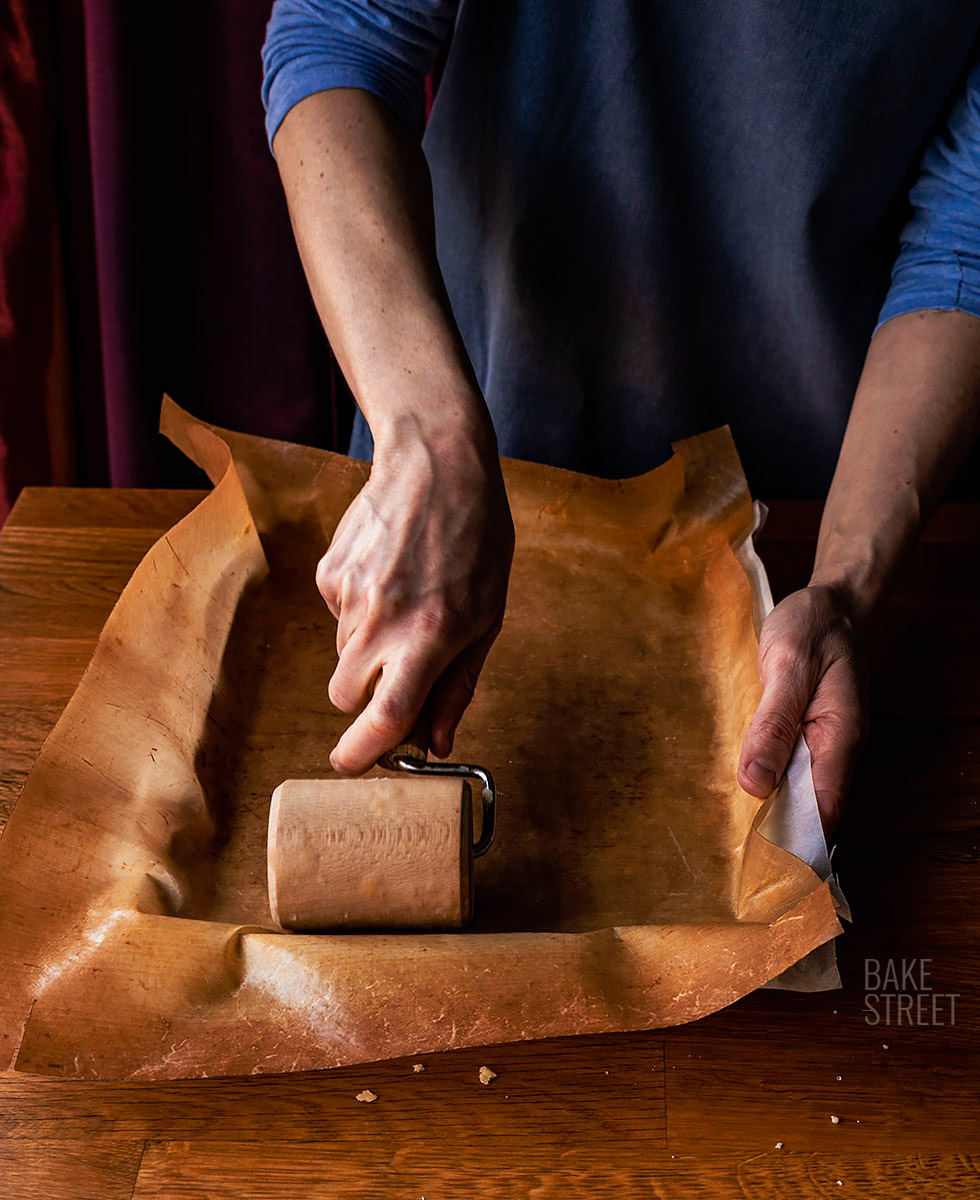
(735, 1105)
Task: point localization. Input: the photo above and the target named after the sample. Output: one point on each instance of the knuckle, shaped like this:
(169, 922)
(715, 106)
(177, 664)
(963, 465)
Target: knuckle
(434, 624)
(341, 695)
(328, 583)
(388, 718)
(776, 728)
(436, 618)
(324, 574)
(376, 600)
(848, 728)
(783, 658)
(365, 633)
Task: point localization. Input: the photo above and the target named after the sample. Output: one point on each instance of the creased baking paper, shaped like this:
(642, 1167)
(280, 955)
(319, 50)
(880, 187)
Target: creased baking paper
(629, 887)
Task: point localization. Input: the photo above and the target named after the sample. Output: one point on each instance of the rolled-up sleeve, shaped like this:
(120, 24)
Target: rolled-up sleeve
(938, 266)
(382, 46)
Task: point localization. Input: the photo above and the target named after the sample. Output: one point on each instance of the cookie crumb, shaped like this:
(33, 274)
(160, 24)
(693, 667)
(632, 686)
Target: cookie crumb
(884, 1045)
(418, 1068)
(486, 1075)
(835, 1120)
(366, 1097)
(779, 1145)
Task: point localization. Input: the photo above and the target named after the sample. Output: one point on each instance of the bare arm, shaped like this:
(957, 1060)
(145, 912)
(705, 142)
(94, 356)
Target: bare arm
(916, 414)
(417, 570)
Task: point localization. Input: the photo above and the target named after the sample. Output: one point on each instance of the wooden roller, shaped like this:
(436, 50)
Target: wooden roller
(393, 853)
(371, 853)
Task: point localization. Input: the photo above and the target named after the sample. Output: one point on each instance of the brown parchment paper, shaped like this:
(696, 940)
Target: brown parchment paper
(628, 887)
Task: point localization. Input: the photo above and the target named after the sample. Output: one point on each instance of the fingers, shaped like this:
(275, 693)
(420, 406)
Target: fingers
(809, 662)
(393, 696)
(416, 576)
(328, 585)
(454, 691)
(386, 673)
(835, 729)
(788, 680)
(388, 716)
(356, 674)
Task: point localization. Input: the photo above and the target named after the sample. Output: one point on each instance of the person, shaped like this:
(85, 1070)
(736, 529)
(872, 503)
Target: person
(628, 223)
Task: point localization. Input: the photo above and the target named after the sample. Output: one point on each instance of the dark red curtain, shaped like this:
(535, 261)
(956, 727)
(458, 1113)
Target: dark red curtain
(144, 244)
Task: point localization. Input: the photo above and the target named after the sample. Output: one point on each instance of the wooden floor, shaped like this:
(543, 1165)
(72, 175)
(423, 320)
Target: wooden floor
(739, 1104)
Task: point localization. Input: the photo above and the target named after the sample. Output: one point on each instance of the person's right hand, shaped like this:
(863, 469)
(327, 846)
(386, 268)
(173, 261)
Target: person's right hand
(416, 575)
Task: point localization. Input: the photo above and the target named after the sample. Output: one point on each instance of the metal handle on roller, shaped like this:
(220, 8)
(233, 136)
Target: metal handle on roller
(420, 766)
(411, 756)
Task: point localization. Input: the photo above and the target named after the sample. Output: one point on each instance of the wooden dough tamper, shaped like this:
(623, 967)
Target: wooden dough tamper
(388, 853)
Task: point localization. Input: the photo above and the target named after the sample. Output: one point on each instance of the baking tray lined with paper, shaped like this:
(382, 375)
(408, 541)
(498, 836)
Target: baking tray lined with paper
(628, 887)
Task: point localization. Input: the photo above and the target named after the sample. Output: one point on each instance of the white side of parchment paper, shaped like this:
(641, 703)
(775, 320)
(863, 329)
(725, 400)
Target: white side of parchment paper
(793, 821)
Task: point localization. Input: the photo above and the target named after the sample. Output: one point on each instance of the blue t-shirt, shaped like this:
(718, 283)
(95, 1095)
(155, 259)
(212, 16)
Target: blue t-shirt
(656, 218)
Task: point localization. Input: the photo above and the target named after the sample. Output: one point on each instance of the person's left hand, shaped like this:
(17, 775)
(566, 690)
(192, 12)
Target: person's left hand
(812, 663)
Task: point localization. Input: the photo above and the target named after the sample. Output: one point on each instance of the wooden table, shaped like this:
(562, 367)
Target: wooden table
(738, 1104)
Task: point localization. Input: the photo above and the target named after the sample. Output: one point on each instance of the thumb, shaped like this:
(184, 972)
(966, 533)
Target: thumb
(773, 731)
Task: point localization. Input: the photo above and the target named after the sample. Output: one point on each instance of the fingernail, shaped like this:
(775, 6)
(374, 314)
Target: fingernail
(762, 774)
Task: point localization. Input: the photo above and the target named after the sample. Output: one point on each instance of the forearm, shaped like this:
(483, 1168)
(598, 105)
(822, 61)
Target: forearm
(416, 572)
(916, 414)
(360, 201)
